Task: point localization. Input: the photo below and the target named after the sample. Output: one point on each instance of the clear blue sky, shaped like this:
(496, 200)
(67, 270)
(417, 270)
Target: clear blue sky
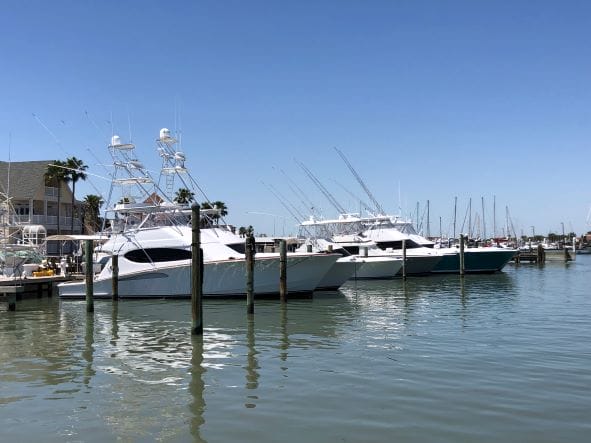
(442, 98)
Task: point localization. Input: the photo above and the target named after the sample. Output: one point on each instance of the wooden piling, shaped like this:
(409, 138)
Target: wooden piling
(404, 259)
(283, 271)
(89, 276)
(540, 256)
(249, 255)
(462, 262)
(196, 273)
(115, 277)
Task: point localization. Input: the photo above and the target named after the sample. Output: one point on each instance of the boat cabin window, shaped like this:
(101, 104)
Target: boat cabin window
(398, 244)
(157, 255)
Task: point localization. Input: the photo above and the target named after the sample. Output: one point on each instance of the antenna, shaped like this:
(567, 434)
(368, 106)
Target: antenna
(273, 191)
(8, 179)
(322, 189)
(299, 193)
(361, 182)
(364, 204)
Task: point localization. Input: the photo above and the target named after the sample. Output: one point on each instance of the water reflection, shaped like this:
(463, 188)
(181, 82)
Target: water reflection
(88, 352)
(284, 336)
(197, 388)
(114, 323)
(252, 364)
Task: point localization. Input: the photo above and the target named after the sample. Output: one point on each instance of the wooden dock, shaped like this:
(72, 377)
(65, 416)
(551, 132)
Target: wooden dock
(541, 255)
(13, 290)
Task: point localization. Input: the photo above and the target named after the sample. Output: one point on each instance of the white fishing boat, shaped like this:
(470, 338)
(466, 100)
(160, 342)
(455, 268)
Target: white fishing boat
(350, 232)
(156, 262)
(388, 232)
(152, 239)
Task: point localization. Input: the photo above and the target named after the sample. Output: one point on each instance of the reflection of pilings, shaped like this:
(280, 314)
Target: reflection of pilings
(284, 342)
(252, 364)
(114, 323)
(88, 352)
(197, 388)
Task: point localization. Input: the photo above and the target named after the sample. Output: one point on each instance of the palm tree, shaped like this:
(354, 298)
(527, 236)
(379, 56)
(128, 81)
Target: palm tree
(184, 196)
(242, 231)
(56, 175)
(205, 221)
(222, 208)
(92, 205)
(76, 172)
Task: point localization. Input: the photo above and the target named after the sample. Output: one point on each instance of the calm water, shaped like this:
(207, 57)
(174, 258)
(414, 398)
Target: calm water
(504, 357)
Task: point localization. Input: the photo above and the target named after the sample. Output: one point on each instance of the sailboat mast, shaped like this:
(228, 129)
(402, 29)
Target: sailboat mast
(483, 219)
(428, 221)
(455, 213)
(494, 216)
(470, 218)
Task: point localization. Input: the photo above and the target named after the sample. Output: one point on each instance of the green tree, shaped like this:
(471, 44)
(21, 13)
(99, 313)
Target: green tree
(76, 168)
(222, 208)
(56, 175)
(184, 196)
(92, 205)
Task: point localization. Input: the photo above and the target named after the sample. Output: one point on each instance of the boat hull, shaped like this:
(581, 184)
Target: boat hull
(342, 270)
(476, 260)
(225, 278)
(370, 268)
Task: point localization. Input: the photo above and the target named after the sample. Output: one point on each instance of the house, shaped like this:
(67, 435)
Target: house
(27, 200)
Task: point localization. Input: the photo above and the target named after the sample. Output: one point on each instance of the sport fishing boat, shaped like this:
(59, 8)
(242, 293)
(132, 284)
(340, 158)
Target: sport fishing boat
(156, 262)
(371, 262)
(386, 231)
(152, 239)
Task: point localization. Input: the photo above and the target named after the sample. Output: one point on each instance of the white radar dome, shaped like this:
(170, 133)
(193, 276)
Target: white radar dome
(115, 140)
(165, 133)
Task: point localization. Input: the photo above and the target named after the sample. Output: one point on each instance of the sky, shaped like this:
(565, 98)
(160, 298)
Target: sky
(429, 100)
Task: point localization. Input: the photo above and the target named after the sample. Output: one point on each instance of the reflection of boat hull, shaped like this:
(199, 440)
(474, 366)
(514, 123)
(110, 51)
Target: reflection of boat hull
(476, 260)
(223, 278)
(377, 268)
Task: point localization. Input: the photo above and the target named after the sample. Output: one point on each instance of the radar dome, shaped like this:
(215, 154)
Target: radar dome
(165, 133)
(115, 140)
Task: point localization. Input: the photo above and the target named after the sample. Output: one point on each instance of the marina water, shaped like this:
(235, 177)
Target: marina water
(503, 357)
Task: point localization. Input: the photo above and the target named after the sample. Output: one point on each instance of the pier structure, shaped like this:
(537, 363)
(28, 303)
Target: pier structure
(13, 290)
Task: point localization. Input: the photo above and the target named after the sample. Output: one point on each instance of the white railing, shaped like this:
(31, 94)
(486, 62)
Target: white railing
(20, 219)
(50, 221)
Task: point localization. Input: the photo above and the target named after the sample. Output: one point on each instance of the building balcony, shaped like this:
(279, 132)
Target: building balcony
(49, 221)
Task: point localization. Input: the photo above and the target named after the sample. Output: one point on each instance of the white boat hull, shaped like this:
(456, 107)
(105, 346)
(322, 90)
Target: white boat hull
(342, 270)
(223, 278)
(377, 268)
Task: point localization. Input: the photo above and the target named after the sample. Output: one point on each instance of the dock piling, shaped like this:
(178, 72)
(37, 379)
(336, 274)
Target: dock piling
(196, 272)
(115, 277)
(249, 256)
(283, 271)
(404, 259)
(89, 276)
(462, 262)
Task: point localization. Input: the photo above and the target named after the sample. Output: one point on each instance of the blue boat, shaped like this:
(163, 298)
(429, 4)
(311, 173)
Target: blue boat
(476, 260)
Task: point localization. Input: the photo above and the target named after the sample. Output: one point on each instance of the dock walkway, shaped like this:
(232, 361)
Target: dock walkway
(16, 289)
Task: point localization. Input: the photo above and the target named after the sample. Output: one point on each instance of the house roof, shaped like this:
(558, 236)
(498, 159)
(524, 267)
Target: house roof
(25, 177)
